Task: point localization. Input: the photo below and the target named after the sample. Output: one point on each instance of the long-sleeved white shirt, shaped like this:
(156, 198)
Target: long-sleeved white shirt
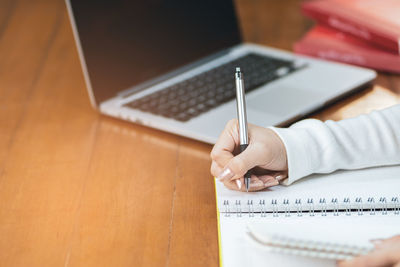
(369, 140)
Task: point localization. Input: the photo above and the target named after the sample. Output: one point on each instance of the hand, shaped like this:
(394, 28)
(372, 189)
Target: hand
(266, 153)
(387, 253)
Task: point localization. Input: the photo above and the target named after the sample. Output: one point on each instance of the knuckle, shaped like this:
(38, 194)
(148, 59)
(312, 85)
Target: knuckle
(238, 166)
(215, 169)
(215, 155)
(232, 123)
(212, 170)
(229, 185)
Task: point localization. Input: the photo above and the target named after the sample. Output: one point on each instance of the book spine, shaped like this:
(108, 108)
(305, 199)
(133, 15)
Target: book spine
(347, 25)
(363, 59)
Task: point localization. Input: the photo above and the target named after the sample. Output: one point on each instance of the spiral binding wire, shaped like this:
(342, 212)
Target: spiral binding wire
(312, 206)
(310, 203)
(275, 208)
(287, 207)
(371, 203)
(251, 209)
(238, 208)
(263, 209)
(359, 206)
(395, 200)
(226, 211)
(299, 207)
(346, 201)
(382, 200)
(322, 202)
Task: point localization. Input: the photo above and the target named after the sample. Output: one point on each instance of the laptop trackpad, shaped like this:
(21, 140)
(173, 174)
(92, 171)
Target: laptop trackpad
(283, 101)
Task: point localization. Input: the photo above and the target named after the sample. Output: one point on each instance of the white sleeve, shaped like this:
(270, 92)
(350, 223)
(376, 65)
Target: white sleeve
(368, 140)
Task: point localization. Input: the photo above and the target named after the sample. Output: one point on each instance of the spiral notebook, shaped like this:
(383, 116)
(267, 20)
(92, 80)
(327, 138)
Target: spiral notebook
(339, 210)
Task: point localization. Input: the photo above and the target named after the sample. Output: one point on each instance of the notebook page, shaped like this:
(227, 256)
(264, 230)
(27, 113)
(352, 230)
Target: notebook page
(373, 187)
(239, 250)
(346, 231)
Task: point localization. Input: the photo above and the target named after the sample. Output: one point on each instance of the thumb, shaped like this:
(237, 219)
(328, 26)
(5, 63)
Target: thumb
(240, 164)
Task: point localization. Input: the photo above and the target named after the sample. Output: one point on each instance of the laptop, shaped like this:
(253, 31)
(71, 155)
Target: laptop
(169, 64)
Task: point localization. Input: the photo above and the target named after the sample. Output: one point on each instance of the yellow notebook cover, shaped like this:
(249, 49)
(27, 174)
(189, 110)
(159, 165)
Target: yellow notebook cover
(219, 227)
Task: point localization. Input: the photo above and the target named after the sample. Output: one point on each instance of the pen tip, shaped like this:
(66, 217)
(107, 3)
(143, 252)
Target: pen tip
(237, 69)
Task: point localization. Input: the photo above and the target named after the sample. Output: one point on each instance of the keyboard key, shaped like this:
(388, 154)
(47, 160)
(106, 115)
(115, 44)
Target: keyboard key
(182, 117)
(194, 96)
(211, 102)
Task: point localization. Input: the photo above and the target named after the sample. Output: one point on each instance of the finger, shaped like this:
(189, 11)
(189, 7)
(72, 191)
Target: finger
(268, 180)
(386, 253)
(380, 257)
(215, 169)
(233, 185)
(243, 162)
(277, 175)
(223, 149)
(280, 176)
(255, 184)
(390, 242)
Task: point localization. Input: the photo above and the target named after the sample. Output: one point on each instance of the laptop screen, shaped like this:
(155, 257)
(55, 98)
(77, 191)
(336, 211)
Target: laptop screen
(128, 42)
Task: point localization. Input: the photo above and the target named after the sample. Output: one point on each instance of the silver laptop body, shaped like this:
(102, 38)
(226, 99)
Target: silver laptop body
(125, 69)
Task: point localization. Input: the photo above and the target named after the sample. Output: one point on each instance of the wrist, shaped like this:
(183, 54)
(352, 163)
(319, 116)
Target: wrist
(280, 153)
(296, 154)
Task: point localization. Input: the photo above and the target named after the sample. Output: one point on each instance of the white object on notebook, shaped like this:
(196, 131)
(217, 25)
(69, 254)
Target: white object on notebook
(343, 211)
(331, 238)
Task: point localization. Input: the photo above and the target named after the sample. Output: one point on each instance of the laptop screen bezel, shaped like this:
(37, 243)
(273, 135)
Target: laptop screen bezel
(146, 84)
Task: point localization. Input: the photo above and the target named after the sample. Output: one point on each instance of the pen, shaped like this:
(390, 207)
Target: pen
(242, 118)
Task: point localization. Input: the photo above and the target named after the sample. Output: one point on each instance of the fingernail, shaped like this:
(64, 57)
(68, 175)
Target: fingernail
(225, 174)
(239, 184)
(271, 183)
(278, 177)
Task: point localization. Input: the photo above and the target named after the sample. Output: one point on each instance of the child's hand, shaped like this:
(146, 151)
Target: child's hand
(266, 152)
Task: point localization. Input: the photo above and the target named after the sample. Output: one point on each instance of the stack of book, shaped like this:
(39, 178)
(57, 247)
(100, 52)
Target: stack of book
(359, 32)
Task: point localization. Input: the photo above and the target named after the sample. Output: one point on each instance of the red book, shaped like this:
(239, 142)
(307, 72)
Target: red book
(330, 44)
(376, 21)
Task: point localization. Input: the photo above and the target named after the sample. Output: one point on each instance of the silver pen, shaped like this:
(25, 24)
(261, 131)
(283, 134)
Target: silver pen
(242, 118)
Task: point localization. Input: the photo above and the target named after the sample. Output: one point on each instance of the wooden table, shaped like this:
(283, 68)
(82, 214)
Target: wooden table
(74, 191)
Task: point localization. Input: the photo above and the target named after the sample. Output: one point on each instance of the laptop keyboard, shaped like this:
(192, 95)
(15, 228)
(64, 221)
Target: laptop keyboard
(194, 96)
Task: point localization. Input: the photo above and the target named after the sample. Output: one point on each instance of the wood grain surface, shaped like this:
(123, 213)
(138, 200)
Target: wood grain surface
(81, 189)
